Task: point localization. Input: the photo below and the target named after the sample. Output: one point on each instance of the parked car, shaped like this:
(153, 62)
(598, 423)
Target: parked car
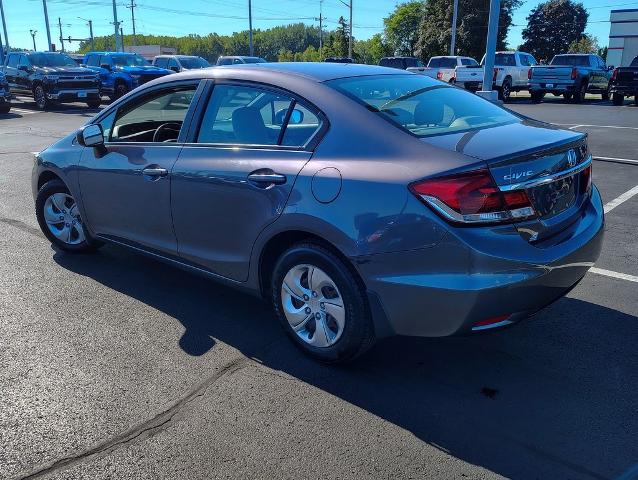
(572, 76)
(624, 83)
(51, 77)
(340, 193)
(238, 60)
(5, 94)
(402, 63)
(338, 60)
(180, 63)
(122, 72)
(443, 68)
(511, 73)
(77, 58)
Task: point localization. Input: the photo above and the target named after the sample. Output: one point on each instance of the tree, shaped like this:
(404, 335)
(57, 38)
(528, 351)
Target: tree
(586, 44)
(602, 53)
(552, 26)
(435, 31)
(370, 51)
(402, 27)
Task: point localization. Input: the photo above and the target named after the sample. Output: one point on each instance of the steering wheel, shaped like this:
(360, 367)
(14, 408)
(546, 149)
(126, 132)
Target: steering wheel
(174, 126)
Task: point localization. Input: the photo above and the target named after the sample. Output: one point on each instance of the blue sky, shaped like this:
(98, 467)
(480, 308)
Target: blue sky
(227, 16)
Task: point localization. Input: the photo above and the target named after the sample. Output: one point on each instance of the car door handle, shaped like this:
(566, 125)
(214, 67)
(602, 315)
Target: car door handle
(155, 172)
(267, 178)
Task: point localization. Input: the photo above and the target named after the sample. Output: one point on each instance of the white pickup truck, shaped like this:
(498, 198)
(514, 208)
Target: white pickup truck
(443, 68)
(511, 74)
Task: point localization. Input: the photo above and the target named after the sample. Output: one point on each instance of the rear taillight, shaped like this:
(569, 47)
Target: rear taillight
(574, 73)
(529, 74)
(614, 75)
(585, 180)
(439, 75)
(473, 198)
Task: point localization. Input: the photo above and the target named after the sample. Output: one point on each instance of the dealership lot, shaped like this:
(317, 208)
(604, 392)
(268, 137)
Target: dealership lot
(115, 366)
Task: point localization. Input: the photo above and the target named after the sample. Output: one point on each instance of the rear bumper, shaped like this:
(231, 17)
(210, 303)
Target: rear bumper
(626, 90)
(446, 289)
(544, 87)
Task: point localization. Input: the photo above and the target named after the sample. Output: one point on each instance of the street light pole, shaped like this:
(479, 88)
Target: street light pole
(33, 32)
(90, 23)
(250, 28)
(490, 51)
(61, 37)
(350, 39)
(4, 27)
(46, 22)
(454, 17)
(116, 25)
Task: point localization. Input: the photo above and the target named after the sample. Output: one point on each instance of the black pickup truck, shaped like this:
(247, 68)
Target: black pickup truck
(51, 77)
(624, 83)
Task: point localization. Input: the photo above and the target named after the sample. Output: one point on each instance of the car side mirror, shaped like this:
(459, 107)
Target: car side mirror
(105, 66)
(296, 117)
(91, 136)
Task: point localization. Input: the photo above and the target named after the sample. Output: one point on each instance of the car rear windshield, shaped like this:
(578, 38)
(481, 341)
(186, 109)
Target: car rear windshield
(129, 61)
(51, 60)
(196, 62)
(421, 105)
(571, 60)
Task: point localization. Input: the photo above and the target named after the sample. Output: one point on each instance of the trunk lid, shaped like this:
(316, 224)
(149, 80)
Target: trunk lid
(549, 73)
(548, 168)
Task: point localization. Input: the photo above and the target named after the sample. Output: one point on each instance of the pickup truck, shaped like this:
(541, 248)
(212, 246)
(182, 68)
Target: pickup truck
(402, 63)
(624, 83)
(51, 77)
(511, 71)
(572, 76)
(444, 68)
(5, 94)
(122, 72)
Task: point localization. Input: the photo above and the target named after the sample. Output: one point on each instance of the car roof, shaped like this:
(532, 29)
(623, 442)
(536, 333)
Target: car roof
(320, 71)
(112, 53)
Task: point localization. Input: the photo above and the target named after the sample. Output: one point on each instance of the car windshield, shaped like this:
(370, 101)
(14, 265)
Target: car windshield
(422, 105)
(254, 60)
(571, 60)
(193, 62)
(51, 60)
(129, 61)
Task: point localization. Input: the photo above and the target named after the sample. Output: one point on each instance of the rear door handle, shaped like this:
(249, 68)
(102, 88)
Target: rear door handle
(155, 172)
(267, 178)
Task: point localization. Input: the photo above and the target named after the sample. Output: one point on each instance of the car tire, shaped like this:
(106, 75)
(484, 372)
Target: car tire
(567, 97)
(5, 109)
(537, 97)
(605, 95)
(56, 212)
(636, 100)
(334, 301)
(579, 94)
(618, 99)
(94, 103)
(505, 91)
(40, 98)
(120, 90)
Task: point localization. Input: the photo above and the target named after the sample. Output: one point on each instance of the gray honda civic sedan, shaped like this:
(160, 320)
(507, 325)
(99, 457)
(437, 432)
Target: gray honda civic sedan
(360, 201)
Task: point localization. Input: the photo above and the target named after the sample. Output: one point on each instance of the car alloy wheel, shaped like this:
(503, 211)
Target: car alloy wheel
(63, 220)
(313, 305)
(120, 90)
(506, 90)
(40, 97)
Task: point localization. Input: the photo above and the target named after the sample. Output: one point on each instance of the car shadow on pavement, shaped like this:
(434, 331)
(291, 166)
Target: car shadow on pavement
(554, 397)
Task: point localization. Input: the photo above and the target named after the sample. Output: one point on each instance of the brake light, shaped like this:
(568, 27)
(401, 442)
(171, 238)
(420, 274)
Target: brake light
(439, 75)
(529, 74)
(585, 180)
(473, 198)
(495, 74)
(574, 73)
(614, 75)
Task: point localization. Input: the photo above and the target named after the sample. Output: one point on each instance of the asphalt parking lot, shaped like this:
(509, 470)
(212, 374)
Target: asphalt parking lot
(114, 366)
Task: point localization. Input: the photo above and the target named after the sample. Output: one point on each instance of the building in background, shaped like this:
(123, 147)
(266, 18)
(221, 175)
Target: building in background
(150, 51)
(623, 37)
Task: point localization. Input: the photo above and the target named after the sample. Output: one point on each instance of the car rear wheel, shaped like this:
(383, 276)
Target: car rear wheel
(5, 108)
(60, 220)
(40, 98)
(579, 94)
(567, 96)
(636, 100)
(605, 95)
(505, 91)
(618, 99)
(537, 97)
(320, 304)
(94, 103)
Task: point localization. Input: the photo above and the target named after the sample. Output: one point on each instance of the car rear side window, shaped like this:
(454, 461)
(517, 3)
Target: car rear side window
(505, 60)
(434, 63)
(92, 61)
(469, 62)
(571, 60)
(13, 60)
(421, 105)
(448, 62)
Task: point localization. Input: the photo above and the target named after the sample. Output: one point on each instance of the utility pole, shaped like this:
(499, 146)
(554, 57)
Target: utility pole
(90, 22)
(132, 7)
(320, 29)
(454, 16)
(250, 28)
(4, 27)
(490, 51)
(33, 32)
(349, 5)
(122, 37)
(61, 37)
(116, 25)
(46, 22)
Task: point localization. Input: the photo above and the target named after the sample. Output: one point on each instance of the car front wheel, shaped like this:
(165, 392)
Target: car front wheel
(537, 97)
(40, 98)
(94, 103)
(60, 220)
(320, 304)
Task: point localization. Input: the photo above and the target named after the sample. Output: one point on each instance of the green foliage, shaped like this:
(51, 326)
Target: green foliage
(586, 44)
(471, 35)
(370, 51)
(552, 26)
(602, 53)
(402, 27)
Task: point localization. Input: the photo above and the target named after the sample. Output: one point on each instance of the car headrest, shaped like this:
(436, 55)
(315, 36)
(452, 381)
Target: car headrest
(429, 113)
(249, 127)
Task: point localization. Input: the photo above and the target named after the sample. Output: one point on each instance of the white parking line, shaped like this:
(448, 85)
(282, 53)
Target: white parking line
(23, 111)
(621, 199)
(572, 126)
(609, 273)
(614, 159)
